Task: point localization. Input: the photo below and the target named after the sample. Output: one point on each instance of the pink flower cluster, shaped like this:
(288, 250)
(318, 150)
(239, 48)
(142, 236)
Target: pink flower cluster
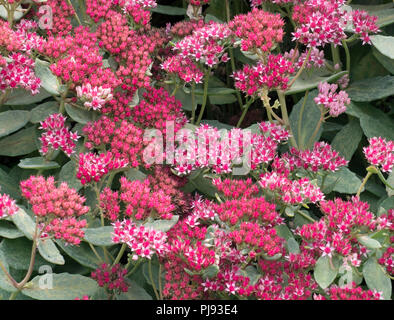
(291, 191)
(354, 293)
(321, 157)
(259, 31)
(158, 109)
(141, 201)
(335, 232)
(271, 75)
(56, 207)
(206, 45)
(321, 22)
(207, 148)
(316, 58)
(93, 97)
(8, 206)
(184, 68)
(236, 189)
(19, 72)
(328, 98)
(380, 153)
(57, 135)
(92, 167)
(112, 278)
(364, 24)
(144, 242)
(277, 132)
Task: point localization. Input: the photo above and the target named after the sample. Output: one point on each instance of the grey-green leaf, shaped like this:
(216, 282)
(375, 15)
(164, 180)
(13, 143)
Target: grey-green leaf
(324, 273)
(99, 236)
(43, 111)
(65, 286)
(79, 115)
(371, 89)
(50, 252)
(162, 225)
(376, 279)
(13, 120)
(347, 140)
(304, 120)
(9, 231)
(384, 44)
(18, 144)
(38, 163)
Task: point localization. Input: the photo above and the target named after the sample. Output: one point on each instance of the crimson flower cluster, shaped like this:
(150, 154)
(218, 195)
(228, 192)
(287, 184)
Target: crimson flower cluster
(56, 208)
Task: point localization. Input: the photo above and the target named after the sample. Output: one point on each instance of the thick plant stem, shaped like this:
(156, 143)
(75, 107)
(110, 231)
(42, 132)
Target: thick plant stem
(369, 174)
(151, 279)
(306, 216)
(313, 136)
(160, 285)
(245, 111)
(301, 69)
(205, 96)
(301, 116)
(345, 46)
(95, 252)
(285, 116)
(32, 258)
(120, 254)
(335, 55)
(194, 105)
(14, 283)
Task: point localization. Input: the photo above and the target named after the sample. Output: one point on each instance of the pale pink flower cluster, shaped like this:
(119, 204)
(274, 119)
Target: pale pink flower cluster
(206, 45)
(380, 152)
(7, 206)
(92, 167)
(291, 191)
(144, 242)
(57, 135)
(316, 58)
(328, 97)
(19, 72)
(184, 68)
(142, 3)
(275, 131)
(94, 97)
(364, 24)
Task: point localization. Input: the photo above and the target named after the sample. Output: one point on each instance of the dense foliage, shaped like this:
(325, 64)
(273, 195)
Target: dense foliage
(216, 149)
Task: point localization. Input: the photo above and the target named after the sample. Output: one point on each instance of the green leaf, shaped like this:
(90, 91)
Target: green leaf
(204, 185)
(5, 283)
(135, 292)
(345, 181)
(368, 242)
(376, 278)
(13, 120)
(385, 62)
(390, 181)
(306, 121)
(99, 236)
(162, 225)
(50, 252)
(43, 111)
(385, 17)
(65, 286)
(384, 44)
(79, 115)
(252, 273)
(324, 273)
(134, 174)
(24, 223)
(284, 232)
(293, 246)
(82, 254)
(309, 82)
(19, 144)
(9, 231)
(48, 80)
(22, 97)
(8, 185)
(68, 174)
(210, 272)
(371, 89)
(17, 253)
(347, 140)
(169, 10)
(155, 273)
(38, 163)
(374, 122)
